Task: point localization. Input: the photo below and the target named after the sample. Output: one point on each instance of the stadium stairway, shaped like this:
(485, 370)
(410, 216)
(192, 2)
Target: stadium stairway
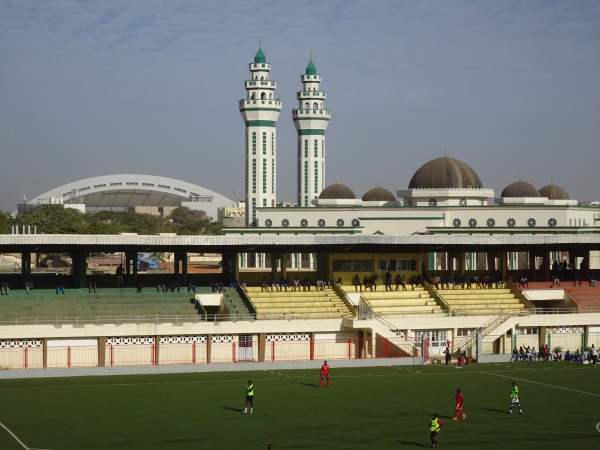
(235, 305)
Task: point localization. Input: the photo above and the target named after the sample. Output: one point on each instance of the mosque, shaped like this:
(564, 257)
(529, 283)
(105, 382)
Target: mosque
(444, 196)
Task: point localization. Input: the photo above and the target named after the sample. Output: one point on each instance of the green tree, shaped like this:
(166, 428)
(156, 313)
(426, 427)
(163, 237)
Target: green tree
(55, 219)
(6, 222)
(185, 221)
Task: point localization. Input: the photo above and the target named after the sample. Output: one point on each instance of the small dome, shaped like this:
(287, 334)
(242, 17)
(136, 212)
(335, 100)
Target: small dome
(554, 192)
(337, 192)
(445, 173)
(520, 189)
(378, 194)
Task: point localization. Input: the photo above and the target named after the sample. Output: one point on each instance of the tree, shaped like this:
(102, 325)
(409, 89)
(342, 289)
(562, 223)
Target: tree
(185, 221)
(55, 219)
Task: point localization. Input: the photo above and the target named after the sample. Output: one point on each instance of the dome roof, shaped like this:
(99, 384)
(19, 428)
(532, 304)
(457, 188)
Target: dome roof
(445, 173)
(520, 189)
(378, 194)
(337, 192)
(554, 192)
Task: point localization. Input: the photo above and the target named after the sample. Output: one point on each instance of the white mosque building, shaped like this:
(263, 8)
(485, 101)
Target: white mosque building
(444, 196)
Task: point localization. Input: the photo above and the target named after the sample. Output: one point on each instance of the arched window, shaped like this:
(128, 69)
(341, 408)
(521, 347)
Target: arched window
(315, 106)
(262, 78)
(253, 95)
(263, 96)
(307, 105)
(270, 95)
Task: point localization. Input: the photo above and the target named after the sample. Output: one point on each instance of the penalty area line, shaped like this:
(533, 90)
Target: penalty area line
(541, 384)
(14, 437)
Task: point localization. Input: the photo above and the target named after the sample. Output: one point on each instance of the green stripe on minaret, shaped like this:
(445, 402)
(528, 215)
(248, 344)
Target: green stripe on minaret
(261, 123)
(311, 132)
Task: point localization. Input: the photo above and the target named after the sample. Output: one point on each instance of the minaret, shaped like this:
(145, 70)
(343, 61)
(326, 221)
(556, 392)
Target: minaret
(311, 120)
(260, 111)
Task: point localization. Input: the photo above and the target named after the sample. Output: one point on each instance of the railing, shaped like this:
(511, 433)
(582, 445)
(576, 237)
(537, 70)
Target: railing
(343, 295)
(203, 350)
(363, 314)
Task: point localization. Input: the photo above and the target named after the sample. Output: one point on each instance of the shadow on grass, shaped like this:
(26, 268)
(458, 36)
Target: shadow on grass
(312, 385)
(441, 416)
(415, 444)
(499, 411)
(239, 410)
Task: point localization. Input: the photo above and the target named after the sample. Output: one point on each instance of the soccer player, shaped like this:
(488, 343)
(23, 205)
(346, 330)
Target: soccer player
(434, 428)
(324, 373)
(514, 398)
(249, 397)
(459, 403)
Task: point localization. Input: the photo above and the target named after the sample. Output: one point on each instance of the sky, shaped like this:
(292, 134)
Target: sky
(89, 88)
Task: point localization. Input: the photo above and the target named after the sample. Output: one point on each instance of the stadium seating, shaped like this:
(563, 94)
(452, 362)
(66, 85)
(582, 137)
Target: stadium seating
(481, 301)
(290, 304)
(78, 303)
(397, 303)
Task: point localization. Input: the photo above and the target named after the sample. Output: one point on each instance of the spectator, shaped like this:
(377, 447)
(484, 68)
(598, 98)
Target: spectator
(28, 285)
(356, 282)
(60, 289)
(4, 287)
(191, 287)
(92, 287)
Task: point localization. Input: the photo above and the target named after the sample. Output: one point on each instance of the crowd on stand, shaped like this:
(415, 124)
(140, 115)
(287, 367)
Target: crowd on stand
(283, 284)
(527, 354)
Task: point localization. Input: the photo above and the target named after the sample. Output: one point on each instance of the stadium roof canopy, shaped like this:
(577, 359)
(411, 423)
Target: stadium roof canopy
(131, 190)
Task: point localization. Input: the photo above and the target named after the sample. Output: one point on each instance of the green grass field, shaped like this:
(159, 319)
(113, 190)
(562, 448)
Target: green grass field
(366, 408)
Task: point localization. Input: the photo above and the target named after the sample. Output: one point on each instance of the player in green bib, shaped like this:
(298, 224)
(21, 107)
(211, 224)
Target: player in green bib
(249, 397)
(434, 429)
(514, 398)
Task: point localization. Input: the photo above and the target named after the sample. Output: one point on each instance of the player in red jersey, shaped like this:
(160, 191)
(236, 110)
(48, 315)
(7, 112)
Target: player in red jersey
(324, 373)
(459, 405)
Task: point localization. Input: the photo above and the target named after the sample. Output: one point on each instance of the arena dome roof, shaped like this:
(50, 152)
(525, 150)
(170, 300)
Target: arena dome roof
(554, 192)
(337, 192)
(520, 189)
(131, 190)
(445, 173)
(378, 194)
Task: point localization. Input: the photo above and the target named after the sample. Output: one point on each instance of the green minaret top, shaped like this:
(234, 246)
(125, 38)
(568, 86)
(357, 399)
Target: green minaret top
(260, 57)
(311, 69)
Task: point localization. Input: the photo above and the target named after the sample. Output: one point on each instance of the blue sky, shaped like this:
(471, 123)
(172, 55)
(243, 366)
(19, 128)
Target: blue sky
(92, 88)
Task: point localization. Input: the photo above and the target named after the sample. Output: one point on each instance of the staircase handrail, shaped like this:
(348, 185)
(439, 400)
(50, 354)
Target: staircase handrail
(246, 299)
(343, 295)
(436, 295)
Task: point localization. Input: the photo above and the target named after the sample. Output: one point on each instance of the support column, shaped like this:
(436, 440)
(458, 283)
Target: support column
(102, 351)
(26, 266)
(78, 269)
(156, 350)
(131, 267)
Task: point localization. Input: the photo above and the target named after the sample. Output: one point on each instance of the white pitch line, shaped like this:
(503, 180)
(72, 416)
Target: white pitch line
(14, 436)
(541, 384)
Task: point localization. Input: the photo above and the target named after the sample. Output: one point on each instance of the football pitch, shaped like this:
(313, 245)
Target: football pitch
(365, 408)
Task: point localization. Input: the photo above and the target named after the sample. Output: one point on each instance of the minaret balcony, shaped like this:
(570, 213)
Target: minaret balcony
(306, 95)
(249, 103)
(262, 84)
(311, 112)
(260, 66)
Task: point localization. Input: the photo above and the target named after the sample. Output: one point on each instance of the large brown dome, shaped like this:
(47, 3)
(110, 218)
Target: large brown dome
(445, 173)
(554, 192)
(520, 189)
(337, 192)
(378, 194)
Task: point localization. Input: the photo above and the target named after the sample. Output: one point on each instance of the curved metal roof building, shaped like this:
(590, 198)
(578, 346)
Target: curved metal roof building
(123, 191)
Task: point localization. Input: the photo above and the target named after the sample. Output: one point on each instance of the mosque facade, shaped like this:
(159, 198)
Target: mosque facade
(444, 196)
